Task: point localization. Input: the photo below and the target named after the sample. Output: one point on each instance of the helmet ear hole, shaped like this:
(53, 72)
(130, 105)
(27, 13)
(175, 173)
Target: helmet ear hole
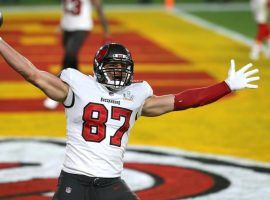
(113, 66)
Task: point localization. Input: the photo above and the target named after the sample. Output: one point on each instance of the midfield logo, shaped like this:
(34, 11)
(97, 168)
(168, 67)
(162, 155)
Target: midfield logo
(166, 173)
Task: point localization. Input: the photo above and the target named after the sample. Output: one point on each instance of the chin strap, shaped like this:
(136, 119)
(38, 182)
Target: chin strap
(200, 96)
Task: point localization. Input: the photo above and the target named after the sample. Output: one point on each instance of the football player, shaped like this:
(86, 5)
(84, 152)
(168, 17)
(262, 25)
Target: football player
(76, 24)
(101, 110)
(260, 11)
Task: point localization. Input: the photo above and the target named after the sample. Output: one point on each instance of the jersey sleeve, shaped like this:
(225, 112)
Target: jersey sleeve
(149, 90)
(70, 100)
(148, 93)
(66, 76)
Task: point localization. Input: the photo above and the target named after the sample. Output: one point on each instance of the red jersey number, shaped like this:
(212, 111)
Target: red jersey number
(95, 117)
(117, 113)
(94, 128)
(72, 6)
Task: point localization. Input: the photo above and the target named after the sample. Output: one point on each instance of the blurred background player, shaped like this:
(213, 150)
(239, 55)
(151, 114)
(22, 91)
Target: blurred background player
(76, 23)
(260, 10)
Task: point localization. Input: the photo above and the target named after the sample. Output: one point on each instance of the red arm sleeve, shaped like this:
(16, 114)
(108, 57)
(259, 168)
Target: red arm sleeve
(200, 96)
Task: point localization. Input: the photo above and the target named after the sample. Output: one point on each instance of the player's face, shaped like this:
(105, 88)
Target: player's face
(115, 71)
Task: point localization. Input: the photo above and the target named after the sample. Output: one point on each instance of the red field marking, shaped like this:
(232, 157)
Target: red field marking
(17, 190)
(173, 75)
(143, 50)
(31, 197)
(178, 183)
(49, 21)
(24, 105)
(45, 55)
(8, 165)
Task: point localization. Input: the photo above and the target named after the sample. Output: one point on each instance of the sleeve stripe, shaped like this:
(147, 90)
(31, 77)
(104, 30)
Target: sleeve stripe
(72, 103)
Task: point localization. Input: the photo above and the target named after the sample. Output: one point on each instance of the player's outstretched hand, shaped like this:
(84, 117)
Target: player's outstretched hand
(241, 79)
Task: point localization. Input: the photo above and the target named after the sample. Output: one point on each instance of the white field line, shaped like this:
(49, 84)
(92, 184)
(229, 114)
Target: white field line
(233, 35)
(214, 7)
(213, 27)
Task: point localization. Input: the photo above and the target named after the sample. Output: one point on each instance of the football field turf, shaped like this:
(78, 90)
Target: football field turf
(172, 54)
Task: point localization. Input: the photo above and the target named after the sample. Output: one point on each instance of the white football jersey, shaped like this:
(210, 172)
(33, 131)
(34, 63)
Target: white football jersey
(99, 123)
(77, 15)
(260, 10)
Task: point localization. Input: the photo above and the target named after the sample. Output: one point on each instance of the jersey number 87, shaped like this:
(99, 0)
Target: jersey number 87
(95, 117)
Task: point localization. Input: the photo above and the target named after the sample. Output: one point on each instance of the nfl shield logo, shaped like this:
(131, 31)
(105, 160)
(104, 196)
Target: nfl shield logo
(68, 190)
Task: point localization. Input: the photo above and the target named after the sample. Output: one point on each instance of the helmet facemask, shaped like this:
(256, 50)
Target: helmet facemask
(117, 75)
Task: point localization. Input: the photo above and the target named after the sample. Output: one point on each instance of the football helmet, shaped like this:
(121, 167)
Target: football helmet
(113, 66)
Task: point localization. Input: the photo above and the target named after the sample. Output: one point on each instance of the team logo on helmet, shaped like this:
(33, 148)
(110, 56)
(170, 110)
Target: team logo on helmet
(101, 53)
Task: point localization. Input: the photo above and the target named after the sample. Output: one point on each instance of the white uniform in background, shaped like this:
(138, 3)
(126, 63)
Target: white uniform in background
(77, 15)
(260, 11)
(98, 124)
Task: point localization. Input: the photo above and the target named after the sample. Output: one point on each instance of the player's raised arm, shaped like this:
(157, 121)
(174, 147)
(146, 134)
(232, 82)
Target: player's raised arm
(50, 84)
(158, 105)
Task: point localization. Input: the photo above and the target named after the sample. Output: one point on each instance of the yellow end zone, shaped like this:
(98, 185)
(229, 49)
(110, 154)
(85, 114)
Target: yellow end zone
(237, 126)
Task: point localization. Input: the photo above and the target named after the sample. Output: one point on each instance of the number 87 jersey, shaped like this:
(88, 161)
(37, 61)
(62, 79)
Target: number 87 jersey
(98, 123)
